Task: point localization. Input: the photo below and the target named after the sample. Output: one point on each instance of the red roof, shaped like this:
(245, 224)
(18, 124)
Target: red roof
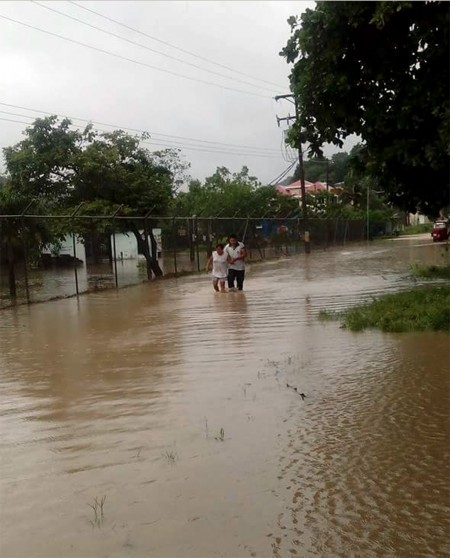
(294, 189)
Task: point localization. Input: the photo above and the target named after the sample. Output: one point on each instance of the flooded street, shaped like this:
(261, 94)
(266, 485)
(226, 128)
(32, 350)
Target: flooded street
(156, 421)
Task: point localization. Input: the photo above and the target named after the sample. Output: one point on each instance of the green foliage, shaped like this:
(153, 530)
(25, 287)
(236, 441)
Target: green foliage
(67, 167)
(228, 194)
(379, 70)
(61, 168)
(414, 310)
(21, 238)
(15, 231)
(318, 169)
(418, 229)
(432, 271)
(327, 316)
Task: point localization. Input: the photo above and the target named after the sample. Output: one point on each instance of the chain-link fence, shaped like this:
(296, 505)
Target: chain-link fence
(96, 252)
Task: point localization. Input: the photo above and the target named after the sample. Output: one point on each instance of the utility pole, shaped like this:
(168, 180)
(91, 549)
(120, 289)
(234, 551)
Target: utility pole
(288, 118)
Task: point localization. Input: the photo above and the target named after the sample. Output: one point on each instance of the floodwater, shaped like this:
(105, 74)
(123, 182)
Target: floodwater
(169, 402)
(47, 284)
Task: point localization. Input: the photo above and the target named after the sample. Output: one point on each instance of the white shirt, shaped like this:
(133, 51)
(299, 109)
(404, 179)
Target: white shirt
(236, 253)
(220, 265)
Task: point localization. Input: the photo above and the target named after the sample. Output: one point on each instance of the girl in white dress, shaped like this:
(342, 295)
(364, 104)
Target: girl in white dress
(219, 261)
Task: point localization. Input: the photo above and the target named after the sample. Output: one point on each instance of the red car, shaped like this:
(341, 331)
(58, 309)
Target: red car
(440, 231)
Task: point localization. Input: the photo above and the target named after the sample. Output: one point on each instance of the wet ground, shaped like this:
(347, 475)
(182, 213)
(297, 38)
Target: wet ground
(171, 402)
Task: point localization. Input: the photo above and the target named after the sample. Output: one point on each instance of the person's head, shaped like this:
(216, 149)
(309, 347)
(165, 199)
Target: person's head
(219, 249)
(232, 239)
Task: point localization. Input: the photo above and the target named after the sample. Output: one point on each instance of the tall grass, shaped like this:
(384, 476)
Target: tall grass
(417, 229)
(418, 309)
(432, 271)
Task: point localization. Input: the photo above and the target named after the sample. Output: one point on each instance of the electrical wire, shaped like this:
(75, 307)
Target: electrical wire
(175, 145)
(18, 121)
(290, 153)
(283, 174)
(132, 60)
(148, 48)
(203, 58)
(115, 126)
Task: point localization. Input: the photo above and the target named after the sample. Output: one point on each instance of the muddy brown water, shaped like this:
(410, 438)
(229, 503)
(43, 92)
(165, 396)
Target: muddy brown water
(171, 401)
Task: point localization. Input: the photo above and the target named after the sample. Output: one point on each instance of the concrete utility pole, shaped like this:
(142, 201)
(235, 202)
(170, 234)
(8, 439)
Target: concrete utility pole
(301, 166)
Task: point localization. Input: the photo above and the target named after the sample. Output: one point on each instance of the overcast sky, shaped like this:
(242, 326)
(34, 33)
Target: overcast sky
(46, 73)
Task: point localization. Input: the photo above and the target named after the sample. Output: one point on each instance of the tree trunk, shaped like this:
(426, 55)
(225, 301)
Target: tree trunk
(152, 264)
(11, 271)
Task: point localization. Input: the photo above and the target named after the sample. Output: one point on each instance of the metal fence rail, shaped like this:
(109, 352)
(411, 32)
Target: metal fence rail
(99, 252)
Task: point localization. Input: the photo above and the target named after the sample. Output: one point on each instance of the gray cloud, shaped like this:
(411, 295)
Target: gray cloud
(46, 73)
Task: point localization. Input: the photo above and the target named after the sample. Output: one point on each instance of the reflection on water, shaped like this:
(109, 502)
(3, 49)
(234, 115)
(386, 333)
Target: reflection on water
(124, 394)
(61, 282)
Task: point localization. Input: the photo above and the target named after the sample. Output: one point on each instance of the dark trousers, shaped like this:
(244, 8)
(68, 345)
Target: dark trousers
(237, 274)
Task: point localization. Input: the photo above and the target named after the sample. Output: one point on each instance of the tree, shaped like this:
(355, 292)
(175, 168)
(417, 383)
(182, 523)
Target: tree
(105, 171)
(321, 169)
(20, 237)
(379, 70)
(229, 194)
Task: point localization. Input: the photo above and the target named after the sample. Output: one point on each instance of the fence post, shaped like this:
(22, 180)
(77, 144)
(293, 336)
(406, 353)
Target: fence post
(25, 258)
(307, 241)
(209, 241)
(174, 234)
(190, 228)
(196, 241)
(25, 250)
(75, 264)
(116, 278)
(76, 210)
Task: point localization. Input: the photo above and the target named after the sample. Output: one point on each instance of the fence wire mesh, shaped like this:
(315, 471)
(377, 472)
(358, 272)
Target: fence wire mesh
(99, 252)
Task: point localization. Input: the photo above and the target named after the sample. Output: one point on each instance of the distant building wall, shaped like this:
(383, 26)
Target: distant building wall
(127, 248)
(418, 219)
(66, 248)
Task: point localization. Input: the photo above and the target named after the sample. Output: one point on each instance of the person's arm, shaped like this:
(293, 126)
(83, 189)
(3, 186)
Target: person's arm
(243, 252)
(208, 263)
(227, 252)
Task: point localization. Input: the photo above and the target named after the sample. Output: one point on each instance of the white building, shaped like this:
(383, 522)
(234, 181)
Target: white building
(65, 247)
(127, 248)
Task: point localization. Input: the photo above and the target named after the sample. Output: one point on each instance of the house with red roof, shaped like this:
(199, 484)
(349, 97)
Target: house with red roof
(295, 190)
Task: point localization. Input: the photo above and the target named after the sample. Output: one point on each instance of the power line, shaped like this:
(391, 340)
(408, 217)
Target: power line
(132, 60)
(218, 143)
(18, 121)
(148, 48)
(173, 145)
(283, 174)
(172, 45)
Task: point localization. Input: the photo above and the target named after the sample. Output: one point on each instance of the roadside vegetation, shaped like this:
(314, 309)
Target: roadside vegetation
(419, 309)
(432, 271)
(417, 229)
(424, 308)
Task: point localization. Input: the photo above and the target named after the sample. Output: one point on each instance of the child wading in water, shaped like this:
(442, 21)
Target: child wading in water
(219, 260)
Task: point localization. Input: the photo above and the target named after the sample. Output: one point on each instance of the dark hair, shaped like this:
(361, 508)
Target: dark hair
(219, 246)
(233, 236)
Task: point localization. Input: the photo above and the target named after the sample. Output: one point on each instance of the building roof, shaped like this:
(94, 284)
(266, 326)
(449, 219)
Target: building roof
(294, 189)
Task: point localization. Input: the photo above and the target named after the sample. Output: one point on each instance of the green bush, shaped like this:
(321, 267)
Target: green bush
(432, 271)
(418, 309)
(418, 229)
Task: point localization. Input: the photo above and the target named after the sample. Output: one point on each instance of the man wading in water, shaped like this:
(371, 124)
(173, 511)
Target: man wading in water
(236, 270)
